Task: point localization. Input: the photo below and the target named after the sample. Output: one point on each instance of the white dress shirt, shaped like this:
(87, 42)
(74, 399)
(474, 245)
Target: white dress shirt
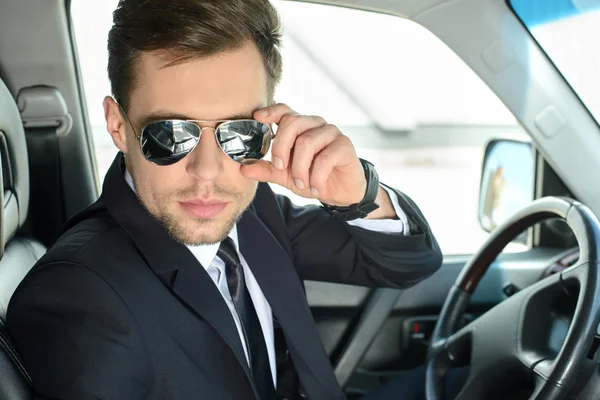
(215, 267)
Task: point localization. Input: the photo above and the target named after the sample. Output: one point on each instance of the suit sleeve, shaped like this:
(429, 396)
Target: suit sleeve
(77, 338)
(327, 249)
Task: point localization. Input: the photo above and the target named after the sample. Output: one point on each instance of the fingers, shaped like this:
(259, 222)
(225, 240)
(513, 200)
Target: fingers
(272, 114)
(264, 171)
(305, 149)
(338, 154)
(290, 125)
(289, 133)
(319, 119)
(310, 157)
(315, 155)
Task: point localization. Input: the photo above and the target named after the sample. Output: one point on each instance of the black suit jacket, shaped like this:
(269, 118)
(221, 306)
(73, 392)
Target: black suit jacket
(119, 310)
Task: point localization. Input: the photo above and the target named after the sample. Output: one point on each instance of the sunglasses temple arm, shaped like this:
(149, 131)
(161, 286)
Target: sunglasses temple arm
(137, 137)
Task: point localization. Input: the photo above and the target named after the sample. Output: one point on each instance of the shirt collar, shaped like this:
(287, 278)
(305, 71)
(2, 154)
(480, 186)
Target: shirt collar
(206, 253)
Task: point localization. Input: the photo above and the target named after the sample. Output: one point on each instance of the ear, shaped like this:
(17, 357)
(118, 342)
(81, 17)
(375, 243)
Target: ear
(116, 124)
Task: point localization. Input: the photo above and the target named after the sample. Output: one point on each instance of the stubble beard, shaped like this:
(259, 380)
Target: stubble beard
(180, 230)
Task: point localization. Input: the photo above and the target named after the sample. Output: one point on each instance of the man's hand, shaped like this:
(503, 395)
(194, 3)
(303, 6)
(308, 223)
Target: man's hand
(314, 160)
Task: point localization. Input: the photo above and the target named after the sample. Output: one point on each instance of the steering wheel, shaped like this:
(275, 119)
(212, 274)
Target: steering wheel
(512, 342)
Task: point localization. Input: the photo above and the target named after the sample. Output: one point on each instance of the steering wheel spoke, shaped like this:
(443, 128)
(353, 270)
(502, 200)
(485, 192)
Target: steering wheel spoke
(537, 319)
(458, 346)
(542, 370)
(451, 352)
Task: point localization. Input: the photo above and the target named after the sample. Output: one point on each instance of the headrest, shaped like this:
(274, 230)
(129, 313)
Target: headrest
(15, 167)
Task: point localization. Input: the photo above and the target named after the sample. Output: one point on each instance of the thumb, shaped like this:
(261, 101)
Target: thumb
(264, 171)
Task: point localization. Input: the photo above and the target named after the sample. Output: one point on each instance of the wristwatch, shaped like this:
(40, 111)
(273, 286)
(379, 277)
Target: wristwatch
(366, 205)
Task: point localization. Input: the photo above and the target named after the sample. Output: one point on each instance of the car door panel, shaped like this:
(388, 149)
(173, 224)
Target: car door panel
(393, 344)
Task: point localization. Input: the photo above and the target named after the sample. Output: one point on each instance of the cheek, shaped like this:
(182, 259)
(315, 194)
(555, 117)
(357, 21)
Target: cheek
(245, 187)
(240, 182)
(251, 188)
(152, 181)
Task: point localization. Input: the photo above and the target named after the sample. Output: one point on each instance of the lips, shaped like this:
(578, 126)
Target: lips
(203, 209)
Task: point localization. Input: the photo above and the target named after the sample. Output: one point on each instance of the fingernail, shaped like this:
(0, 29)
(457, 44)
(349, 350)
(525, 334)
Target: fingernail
(314, 192)
(299, 184)
(278, 163)
(263, 112)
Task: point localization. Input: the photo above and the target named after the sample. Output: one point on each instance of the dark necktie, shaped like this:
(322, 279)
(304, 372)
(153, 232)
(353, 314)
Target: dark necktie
(255, 340)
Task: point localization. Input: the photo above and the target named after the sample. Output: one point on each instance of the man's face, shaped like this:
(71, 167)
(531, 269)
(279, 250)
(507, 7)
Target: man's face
(200, 198)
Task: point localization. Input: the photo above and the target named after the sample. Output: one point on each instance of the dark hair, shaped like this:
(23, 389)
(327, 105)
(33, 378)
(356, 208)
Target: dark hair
(190, 29)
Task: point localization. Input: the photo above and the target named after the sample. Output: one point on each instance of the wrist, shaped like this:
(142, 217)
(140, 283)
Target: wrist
(367, 205)
(386, 207)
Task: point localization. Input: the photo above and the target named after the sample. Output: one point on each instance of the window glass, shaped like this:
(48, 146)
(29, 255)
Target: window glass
(409, 104)
(568, 31)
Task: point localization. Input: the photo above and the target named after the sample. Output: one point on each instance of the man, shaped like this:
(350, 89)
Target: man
(177, 283)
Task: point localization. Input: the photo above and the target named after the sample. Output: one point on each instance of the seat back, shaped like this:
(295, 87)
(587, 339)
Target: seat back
(18, 254)
(15, 383)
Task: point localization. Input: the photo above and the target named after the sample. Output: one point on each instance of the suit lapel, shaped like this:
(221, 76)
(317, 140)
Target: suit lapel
(194, 287)
(282, 287)
(171, 261)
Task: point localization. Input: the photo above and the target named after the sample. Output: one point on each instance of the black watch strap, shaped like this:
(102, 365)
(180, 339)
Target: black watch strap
(367, 204)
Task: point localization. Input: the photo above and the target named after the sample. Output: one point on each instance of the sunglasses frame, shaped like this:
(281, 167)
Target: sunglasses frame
(266, 142)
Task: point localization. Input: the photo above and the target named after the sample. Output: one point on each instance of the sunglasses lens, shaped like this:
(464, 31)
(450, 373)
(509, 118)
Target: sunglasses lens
(245, 141)
(166, 142)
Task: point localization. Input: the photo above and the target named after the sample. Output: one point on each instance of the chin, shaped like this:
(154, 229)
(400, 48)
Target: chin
(190, 231)
(197, 232)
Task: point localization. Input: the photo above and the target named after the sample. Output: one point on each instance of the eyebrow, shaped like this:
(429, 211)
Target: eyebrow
(165, 115)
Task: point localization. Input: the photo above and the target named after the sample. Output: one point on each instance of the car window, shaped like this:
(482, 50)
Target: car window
(409, 104)
(568, 32)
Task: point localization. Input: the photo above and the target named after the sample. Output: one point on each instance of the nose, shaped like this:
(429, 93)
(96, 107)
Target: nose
(206, 161)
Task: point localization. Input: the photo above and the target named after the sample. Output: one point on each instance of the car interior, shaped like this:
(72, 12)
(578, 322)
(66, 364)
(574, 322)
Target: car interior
(548, 294)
